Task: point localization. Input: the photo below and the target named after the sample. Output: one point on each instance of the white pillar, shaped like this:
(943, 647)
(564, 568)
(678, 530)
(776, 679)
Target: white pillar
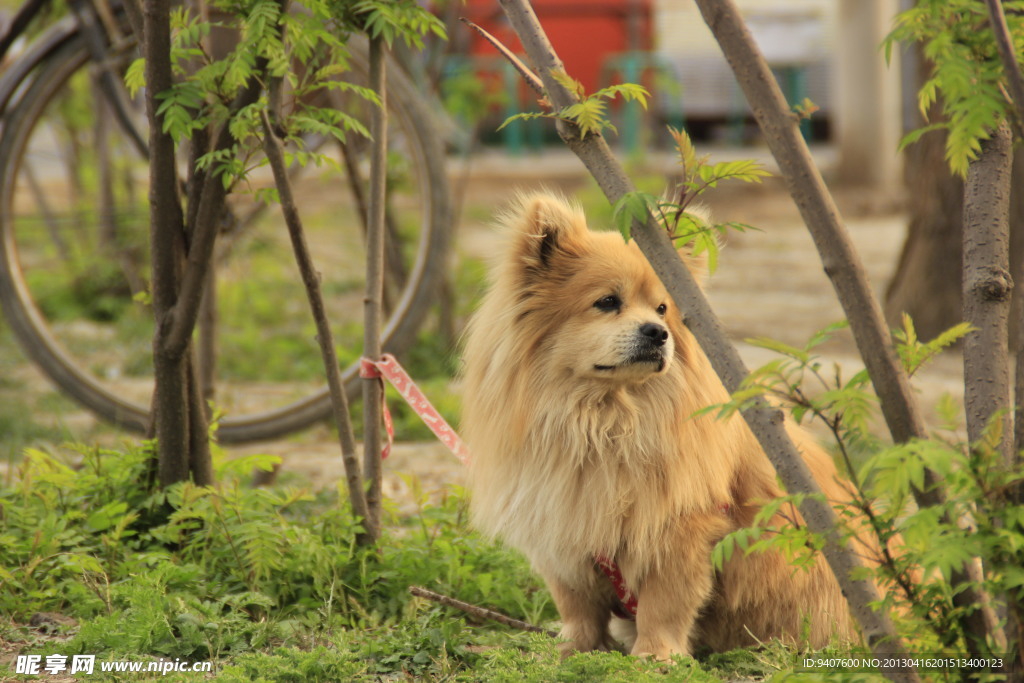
(867, 115)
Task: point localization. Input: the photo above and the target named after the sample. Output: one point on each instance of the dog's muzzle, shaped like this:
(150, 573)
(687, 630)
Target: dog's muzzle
(650, 345)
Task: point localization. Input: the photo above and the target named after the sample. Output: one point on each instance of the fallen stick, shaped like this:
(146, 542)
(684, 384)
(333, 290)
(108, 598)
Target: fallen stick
(477, 611)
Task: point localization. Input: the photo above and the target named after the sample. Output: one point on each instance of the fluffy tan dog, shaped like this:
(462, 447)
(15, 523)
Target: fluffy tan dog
(581, 386)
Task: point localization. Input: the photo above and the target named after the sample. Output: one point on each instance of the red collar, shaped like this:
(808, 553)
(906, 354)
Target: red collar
(625, 608)
(627, 603)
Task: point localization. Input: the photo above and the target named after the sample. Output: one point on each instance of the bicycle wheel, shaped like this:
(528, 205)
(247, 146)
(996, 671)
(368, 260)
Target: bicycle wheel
(74, 256)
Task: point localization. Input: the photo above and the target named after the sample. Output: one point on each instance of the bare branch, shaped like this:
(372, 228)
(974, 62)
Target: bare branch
(311, 280)
(531, 78)
(478, 612)
(805, 184)
(1008, 56)
(373, 390)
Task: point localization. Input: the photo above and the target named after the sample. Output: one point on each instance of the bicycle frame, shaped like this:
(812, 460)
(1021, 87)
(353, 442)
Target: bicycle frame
(96, 19)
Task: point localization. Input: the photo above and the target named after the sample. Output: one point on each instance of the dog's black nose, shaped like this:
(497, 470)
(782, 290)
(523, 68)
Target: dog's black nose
(654, 332)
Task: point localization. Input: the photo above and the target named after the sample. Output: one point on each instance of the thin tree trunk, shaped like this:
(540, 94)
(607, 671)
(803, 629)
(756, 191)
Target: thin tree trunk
(200, 458)
(395, 268)
(920, 285)
(171, 397)
(181, 263)
(202, 232)
(986, 290)
(766, 422)
(844, 269)
(1015, 606)
(311, 281)
(373, 390)
(987, 285)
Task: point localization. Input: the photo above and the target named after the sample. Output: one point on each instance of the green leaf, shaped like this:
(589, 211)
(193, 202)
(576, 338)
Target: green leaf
(629, 92)
(524, 116)
(915, 135)
(589, 115)
(569, 83)
(823, 335)
(806, 108)
(745, 170)
(706, 241)
(687, 152)
(779, 347)
(135, 76)
(633, 206)
(106, 516)
(914, 354)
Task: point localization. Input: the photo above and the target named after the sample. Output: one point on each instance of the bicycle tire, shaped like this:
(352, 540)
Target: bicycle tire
(33, 331)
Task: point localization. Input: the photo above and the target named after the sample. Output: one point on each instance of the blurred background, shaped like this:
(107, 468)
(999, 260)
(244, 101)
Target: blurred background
(901, 208)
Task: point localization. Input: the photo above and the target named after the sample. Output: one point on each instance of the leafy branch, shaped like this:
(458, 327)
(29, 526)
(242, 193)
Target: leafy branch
(914, 353)
(686, 225)
(967, 71)
(391, 19)
(590, 112)
(308, 50)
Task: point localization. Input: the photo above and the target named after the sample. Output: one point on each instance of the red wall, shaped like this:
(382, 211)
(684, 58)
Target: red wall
(583, 32)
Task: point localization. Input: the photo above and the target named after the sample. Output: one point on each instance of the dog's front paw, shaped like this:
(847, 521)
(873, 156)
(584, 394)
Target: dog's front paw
(567, 649)
(596, 643)
(658, 651)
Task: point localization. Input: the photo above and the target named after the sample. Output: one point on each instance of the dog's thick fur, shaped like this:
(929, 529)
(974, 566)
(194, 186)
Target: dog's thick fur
(581, 383)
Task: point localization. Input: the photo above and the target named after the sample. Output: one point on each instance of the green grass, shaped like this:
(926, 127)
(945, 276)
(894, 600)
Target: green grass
(270, 585)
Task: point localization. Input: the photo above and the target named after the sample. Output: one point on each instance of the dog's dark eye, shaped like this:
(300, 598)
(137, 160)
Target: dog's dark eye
(608, 303)
(662, 309)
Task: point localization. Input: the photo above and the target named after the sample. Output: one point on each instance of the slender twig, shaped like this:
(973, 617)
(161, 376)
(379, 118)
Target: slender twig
(311, 280)
(133, 10)
(765, 421)
(1008, 56)
(373, 390)
(531, 78)
(478, 612)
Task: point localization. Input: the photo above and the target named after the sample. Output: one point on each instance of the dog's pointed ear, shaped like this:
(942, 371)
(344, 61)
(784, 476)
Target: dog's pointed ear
(546, 227)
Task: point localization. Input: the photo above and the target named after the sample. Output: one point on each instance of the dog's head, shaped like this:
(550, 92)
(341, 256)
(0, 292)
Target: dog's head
(588, 301)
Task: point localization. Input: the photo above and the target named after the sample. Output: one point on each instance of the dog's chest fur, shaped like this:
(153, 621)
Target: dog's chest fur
(599, 458)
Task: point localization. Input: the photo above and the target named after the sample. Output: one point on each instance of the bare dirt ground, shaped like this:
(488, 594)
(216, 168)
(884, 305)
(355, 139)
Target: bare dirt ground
(769, 283)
